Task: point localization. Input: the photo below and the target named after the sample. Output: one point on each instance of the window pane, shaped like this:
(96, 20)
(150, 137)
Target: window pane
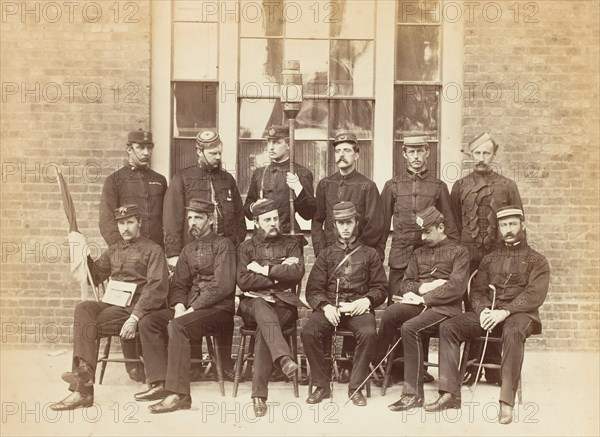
(352, 115)
(307, 19)
(351, 19)
(261, 63)
(257, 115)
(195, 10)
(194, 107)
(312, 121)
(313, 57)
(417, 53)
(411, 11)
(195, 51)
(261, 18)
(351, 64)
(251, 155)
(184, 154)
(416, 110)
(364, 164)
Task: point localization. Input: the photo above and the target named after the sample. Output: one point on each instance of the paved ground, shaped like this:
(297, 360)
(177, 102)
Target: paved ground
(561, 397)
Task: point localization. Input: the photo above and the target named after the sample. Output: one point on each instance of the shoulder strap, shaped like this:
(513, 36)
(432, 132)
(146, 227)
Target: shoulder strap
(346, 258)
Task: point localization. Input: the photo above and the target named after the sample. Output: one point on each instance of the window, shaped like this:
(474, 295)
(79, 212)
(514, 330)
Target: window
(334, 42)
(417, 84)
(194, 79)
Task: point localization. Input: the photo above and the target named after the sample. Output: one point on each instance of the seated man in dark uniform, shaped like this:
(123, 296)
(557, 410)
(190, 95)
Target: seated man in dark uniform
(345, 285)
(134, 260)
(510, 286)
(201, 302)
(433, 287)
(270, 265)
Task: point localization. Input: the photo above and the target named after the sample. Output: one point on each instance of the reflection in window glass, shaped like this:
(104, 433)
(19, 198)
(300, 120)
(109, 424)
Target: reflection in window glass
(313, 57)
(311, 122)
(306, 19)
(354, 19)
(351, 66)
(417, 53)
(352, 115)
(195, 51)
(416, 109)
(261, 62)
(194, 107)
(260, 19)
(410, 11)
(257, 115)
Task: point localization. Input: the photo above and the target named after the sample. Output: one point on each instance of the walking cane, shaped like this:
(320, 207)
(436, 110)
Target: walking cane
(333, 363)
(485, 343)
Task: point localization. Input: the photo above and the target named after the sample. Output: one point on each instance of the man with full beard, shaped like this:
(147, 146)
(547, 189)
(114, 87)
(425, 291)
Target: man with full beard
(201, 302)
(270, 265)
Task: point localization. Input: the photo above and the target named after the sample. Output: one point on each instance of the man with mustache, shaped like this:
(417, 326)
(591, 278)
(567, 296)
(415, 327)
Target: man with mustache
(201, 302)
(347, 185)
(270, 265)
(433, 288)
(351, 275)
(521, 277)
(134, 259)
(135, 183)
(475, 200)
(275, 181)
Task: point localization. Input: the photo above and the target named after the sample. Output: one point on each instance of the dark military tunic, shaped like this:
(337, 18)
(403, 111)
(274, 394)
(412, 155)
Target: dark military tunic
(270, 183)
(475, 200)
(355, 188)
(143, 187)
(215, 185)
(403, 197)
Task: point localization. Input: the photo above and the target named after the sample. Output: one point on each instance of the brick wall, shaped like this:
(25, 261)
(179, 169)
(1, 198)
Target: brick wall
(74, 82)
(549, 146)
(549, 142)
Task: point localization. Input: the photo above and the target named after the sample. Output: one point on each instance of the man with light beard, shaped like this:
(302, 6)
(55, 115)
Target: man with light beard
(134, 260)
(521, 277)
(432, 289)
(201, 302)
(270, 265)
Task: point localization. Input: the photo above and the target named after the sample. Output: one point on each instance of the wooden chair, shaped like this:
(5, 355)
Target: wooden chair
(105, 358)
(213, 359)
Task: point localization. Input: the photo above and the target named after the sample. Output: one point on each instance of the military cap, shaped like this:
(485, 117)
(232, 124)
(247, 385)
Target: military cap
(208, 139)
(262, 207)
(509, 211)
(125, 211)
(427, 217)
(277, 132)
(344, 137)
(344, 210)
(416, 141)
(481, 139)
(201, 205)
(140, 137)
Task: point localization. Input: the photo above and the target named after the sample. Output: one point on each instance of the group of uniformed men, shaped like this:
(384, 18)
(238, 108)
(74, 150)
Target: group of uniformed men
(439, 239)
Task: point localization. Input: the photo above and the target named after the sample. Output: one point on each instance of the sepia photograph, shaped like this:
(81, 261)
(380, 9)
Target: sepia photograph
(300, 217)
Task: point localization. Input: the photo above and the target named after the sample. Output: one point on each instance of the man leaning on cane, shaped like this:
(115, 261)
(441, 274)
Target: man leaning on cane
(521, 277)
(362, 287)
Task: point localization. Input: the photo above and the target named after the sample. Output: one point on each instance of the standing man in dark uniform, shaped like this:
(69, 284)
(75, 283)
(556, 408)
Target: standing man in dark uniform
(270, 265)
(350, 274)
(521, 277)
(347, 185)
(475, 200)
(205, 180)
(433, 288)
(135, 183)
(134, 259)
(275, 181)
(201, 301)
(403, 197)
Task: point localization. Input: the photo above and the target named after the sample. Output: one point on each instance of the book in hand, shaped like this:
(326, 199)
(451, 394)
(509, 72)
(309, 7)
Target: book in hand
(254, 295)
(401, 299)
(119, 293)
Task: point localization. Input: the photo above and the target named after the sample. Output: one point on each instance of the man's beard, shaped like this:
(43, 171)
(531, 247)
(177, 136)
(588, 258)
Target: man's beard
(266, 236)
(482, 167)
(195, 232)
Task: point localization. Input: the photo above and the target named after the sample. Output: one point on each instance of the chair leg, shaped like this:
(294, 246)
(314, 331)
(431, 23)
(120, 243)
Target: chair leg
(368, 385)
(214, 350)
(294, 348)
(104, 358)
(388, 372)
(464, 360)
(248, 358)
(239, 363)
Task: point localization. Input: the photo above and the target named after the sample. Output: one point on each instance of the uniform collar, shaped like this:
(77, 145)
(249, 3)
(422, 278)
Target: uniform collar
(346, 247)
(259, 236)
(350, 175)
(421, 174)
